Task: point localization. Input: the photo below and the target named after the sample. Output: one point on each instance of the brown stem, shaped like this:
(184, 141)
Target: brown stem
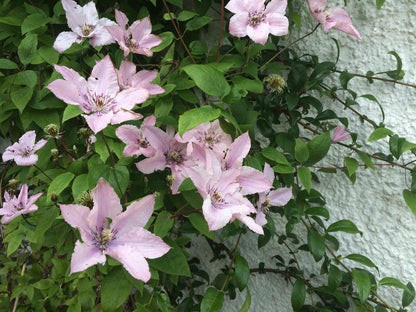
(232, 262)
(377, 78)
(178, 32)
(221, 27)
(287, 47)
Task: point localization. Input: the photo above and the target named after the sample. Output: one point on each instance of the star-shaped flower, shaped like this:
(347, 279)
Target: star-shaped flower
(23, 152)
(16, 206)
(254, 20)
(99, 97)
(84, 23)
(340, 135)
(137, 38)
(106, 230)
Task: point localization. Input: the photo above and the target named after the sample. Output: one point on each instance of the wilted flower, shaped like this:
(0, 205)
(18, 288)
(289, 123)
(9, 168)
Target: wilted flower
(99, 97)
(254, 20)
(52, 130)
(84, 23)
(23, 152)
(336, 18)
(137, 38)
(339, 135)
(16, 206)
(106, 230)
(275, 83)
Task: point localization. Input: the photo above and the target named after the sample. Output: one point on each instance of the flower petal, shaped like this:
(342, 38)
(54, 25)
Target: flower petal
(259, 33)
(77, 217)
(281, 196)
(278, 24)
(238, 24)
(85, 256)
(103, 79)
(65, 39)
(98, 121)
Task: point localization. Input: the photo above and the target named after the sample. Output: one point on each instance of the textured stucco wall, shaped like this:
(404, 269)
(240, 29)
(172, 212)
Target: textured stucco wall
(375, 202)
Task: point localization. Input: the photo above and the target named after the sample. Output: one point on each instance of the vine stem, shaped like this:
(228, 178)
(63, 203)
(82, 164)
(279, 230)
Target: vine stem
(44, 173)
(377, 78)
(178, 32)
(232, 261)
(287, 47)
(355, 149)
(222, 26)
(113, 167)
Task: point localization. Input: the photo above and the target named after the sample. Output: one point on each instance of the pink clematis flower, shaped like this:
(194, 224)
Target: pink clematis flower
(339, 135)
(137, 38)
(279, 197)
(336, 18)
(135, 139)
(84, 23)
(99, 97)
(16, 206)
(123, 238)
(254, 20)
(128, 78)
(23, 152)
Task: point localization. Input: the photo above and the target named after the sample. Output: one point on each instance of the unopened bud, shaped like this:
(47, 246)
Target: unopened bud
(54, 197)
(85, 133)
(169, 179)
(275, 83)
(86, 199)
(52, 130)
(13, 184)
(54, 153)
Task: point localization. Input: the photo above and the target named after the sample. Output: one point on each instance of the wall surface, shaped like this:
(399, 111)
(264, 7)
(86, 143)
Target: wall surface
(374, 203)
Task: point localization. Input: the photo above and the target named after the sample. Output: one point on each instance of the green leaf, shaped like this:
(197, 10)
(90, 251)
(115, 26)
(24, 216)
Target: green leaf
(366, 159)
(60, 183)
(344, 226)
(194, 117)
(408, 296)
(14, 239)
(49, 55)
(273, 154)
(242, 272)
(410, 199)
(316, 244)
(305, 177)
(115, 289)
(380, 3)
(212, 300)
(318, 211)
(344, 78)
(46, 217)
(163, 224)
(198, 222)
(34, 21)
(247, 302)
(373, 98)
(27, 48)
(167, 40)
(379, 133)
(43, 284)
(352, 165)
(297, 78)
(70, 112)
(298, 294)
(208, 79)
(7, 64)
(101, 148)
(80, 185)
(321, 71)
(318, 147)
(186, 15)
(361, 259)
(250, 85)
(363, 282)
(391, 281)
(334, 277)
(399, 145)
(301, 151)
(198, 22)
(174, 262)
(21, 96)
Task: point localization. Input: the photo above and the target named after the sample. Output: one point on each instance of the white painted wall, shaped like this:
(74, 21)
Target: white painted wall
(375, 202)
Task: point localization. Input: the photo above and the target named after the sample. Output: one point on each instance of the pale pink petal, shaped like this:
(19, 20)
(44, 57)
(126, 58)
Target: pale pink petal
(278, 24)
(276, 7)
(268, 172)
(106, 204)
(26, 160)
(101, 36)
(132, 260)
(65, 39)
(74, 15)
(32, 199)
(281, 196)
(317, 5)
(251, 224)
(261, 218)
(126, 74)
(23, 193)
(103, 79)
(66, 91)
(121, 19)
(343, 21)
(98, 121)
(239, 24)
(116, 31)
(136, 215)
(259, 33)
(149, 165)
(128, 134)
(77, 217)
(139, 29)
(124, 115)
(150, 41)
(28, 139)
(128, 98)
(158, 138)
(253, 181)
(8, 155)
(90, 14)
(73, 77)
(216, 218)
(39, 145)
(238, 6)
(85, 256)
(238, 151)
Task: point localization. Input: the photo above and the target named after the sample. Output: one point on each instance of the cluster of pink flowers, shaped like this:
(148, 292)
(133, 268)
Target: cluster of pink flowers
(214, 163)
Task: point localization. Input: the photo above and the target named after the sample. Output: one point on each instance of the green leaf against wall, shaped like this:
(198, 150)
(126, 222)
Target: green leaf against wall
(305, 177)
(208, 79)
(363, 282)
(212, 301)
(379, 133)
(344, 226)
(242, 272)
(351, 164)
(298, 294)
(301, 151)
(408, 296)
(198, 222)
(247, 302)
(361, 259)
(380, 3)
(192, 118)
(334, 277)
(399, 145)
(318, 148)
(316, 244)
(410, 199)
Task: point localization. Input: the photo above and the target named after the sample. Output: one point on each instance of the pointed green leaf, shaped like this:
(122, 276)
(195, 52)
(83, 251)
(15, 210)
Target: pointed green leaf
(247, 302)
(344, 226)
(334, 277)
(273, 154)
(7, 64)
(27, 48)
(379, 133)
(208, 79)
(366, 160)
(361, 259)
(318, 148)
(352, 165)
(305, 177)
(363, 282)
(212, 300)
(408, 296)
(410, 199)
(298, 294)
(301, 151)
(316, 244)
(115, 289)
(198, 221)
(163, 224)
(60, 183)
(70, 112)
(194, 117)
(242, 272)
